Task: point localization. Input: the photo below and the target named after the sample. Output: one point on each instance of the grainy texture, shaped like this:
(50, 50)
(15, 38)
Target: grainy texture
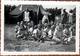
(34, 55)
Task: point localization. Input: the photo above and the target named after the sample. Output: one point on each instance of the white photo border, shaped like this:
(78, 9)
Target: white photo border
(46, 3)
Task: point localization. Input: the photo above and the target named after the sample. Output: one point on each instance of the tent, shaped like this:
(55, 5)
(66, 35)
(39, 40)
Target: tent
(35, 8)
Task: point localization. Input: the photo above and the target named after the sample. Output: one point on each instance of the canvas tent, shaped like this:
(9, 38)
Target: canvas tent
(35, 8)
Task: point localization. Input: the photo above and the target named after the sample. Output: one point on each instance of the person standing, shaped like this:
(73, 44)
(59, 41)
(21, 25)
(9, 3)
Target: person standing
(26, 15)
(71, 18)
(64, 17)
(45, 19)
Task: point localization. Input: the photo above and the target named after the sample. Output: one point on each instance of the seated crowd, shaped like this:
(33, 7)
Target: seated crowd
(58, 32)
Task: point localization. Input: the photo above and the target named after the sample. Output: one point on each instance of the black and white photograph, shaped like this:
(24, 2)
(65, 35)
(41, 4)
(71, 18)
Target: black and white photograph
(39, 28)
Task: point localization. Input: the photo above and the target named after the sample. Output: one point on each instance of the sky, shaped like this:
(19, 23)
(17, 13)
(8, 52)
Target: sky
(52, 6)
(67, 7)
(45, 4)
(59, 6)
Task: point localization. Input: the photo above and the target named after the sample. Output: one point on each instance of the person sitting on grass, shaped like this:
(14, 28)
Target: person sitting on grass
(58, 34)
(44, 32)
(18, 31)
(30, 31)
(39, 32)
(72, 33)
(50, 34)
(66, 35)
(27, 31)
(17, 27)
(34, 34)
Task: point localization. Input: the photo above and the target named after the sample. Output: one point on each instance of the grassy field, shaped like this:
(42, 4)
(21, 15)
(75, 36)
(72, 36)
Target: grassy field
(12, 44)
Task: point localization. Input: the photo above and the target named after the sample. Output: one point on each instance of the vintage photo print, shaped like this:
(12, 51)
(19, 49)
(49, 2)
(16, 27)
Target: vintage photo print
(32, 28)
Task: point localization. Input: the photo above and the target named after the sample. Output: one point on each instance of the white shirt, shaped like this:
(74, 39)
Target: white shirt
(70, 17)
(31, 29)
(44, 18)
(65, 31)
(26, 16)
(45, 29)
(35, 31)
(58, 33)
(50, 32)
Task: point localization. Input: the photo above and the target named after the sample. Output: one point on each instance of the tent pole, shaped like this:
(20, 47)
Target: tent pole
(37, 14)
(37, 18)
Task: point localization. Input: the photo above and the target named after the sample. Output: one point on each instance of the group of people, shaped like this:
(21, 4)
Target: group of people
(45, 30)
(41, 32)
